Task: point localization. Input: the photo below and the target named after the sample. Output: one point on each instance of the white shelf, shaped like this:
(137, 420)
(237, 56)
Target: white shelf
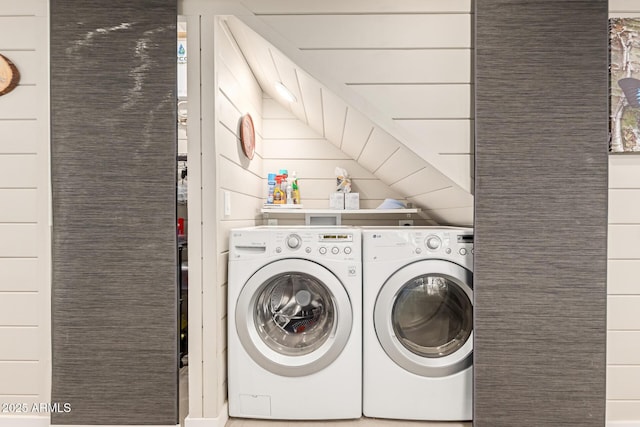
(339, 211)
(334, 216)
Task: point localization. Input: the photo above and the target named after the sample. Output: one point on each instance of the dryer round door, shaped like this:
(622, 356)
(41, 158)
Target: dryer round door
(293, 317)
(423, 318)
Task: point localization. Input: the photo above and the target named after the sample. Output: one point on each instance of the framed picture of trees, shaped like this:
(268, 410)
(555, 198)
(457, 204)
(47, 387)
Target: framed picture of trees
(624, 72)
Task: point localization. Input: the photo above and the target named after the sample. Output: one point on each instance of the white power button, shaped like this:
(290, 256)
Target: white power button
(347, 250)
(462, 251)
(433, 242)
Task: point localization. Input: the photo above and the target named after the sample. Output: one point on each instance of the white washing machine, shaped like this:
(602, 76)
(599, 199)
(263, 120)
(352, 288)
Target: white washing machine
(418, 323)
(295, 323)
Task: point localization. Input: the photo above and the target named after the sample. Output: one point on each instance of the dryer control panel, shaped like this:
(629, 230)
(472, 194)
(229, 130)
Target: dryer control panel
(394, 244)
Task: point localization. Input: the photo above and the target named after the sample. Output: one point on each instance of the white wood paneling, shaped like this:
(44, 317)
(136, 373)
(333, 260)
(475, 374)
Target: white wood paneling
(623, 410)
(19, 343)
(624, 206)
(334, 113)
(18, 205)
(19, 274)
(18, 171)
(320, 149)
(623, 348)
(375, 31)
(423, 181)
(622, 312)
(24, 7)
(18, 240)
(237, 179)
(310, 169)
(624, 241)
(458, 167)
(408, 101)
(357, 130)
(622, 277)
(622, 383)
(623, 6)
(235, 92)
(272, 109)
(378, 149)
(398, 66)
(452, 216)
(236, 80)
(374, 189)
(312, 98)
(20, 136)
(287, 73)
(399, 165)
(356, 6)
(223, 274)
(624, 171)
(259, 58)
(21, 32)
(450, 197)
(21, 103)
(19, 309)
(287, 129)
(222, 371)
(19, 378)
(446, 136)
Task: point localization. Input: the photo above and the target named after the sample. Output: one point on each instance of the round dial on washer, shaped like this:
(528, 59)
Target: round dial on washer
(433, 242)
(294, 241)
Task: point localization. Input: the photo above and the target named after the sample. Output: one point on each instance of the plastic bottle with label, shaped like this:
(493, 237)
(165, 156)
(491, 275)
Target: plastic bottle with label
(295, 189)
(279, 196)
(271, 181)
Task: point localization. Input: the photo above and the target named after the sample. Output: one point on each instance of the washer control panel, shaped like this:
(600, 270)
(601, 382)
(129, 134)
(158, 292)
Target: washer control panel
(319, 243)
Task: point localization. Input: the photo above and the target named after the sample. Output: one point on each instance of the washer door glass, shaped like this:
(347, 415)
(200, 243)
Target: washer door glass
(423, 318)
(294, 313)
(432, 316)
(293, 317)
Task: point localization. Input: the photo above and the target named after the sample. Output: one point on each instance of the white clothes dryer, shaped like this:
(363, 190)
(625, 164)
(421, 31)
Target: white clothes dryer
(295, 323)
(418, 323)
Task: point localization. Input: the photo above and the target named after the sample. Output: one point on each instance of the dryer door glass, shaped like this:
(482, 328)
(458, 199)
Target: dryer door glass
(432, 316)
(294, 313)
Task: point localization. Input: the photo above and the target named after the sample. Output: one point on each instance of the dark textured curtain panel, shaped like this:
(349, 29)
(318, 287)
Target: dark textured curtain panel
(113, 127)
(541, 213)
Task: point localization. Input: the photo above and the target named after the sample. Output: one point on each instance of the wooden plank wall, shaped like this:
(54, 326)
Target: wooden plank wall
(25, 372)
(409, 59)
(290, 144)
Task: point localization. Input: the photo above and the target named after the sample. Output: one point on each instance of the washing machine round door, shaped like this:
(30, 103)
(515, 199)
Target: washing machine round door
(293, 317)
(423, 318)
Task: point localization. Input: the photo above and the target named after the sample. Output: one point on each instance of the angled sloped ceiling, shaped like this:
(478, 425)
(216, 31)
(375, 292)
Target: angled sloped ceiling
(415, 136)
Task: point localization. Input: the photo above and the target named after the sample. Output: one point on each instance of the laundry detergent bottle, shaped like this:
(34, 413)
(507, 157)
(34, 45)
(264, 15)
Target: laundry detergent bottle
(279, 196)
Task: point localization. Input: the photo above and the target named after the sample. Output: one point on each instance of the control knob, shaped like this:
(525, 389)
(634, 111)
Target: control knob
(293, 241)
(433, 242)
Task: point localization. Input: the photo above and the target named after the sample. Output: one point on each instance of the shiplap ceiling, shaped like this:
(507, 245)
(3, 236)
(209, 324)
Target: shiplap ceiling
(423, 86)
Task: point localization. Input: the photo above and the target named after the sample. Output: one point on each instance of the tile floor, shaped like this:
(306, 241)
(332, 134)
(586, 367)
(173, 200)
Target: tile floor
(368, 422)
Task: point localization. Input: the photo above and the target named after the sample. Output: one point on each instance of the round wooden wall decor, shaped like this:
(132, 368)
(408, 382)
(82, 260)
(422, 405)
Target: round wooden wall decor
(247, 136)
(9, 75)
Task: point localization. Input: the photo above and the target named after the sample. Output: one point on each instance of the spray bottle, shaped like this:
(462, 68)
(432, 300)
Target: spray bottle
(295, 189)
